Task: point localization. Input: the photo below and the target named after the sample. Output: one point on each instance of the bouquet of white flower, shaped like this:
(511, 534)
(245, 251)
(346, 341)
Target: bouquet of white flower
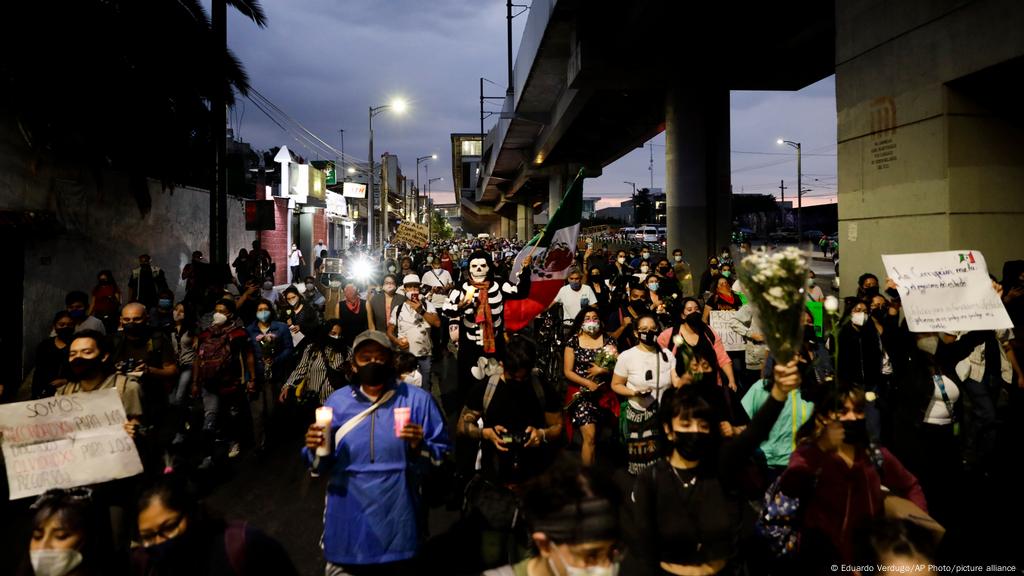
(775, 284)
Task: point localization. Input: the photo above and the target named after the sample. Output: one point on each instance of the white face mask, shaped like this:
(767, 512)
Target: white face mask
(430, 259)
(621, 259)
(219, 318)
(54, 562)
(678, 258)
(609, 570)
(645, 268)
(591, 327)
(859, 318)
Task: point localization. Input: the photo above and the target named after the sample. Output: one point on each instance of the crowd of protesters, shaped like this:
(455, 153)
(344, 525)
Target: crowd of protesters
(654, 450)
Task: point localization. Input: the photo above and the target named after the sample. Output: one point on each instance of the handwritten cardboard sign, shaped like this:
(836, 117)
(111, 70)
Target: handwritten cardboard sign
(413, 234)
(720, 321)
(66, 441)
(946, 291)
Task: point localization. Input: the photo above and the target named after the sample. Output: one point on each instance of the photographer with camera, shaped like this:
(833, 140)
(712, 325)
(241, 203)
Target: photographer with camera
(517, 417)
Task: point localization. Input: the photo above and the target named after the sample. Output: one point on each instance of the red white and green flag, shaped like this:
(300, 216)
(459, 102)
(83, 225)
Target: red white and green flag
(554, 253)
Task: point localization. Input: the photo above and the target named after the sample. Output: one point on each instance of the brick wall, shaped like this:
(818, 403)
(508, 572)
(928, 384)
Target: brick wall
(276, 241)
(319, 231)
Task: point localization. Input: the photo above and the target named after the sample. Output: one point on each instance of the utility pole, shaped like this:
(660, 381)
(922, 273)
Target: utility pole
(782, 188)
(218, 134)
(511, 79)
(650, 168)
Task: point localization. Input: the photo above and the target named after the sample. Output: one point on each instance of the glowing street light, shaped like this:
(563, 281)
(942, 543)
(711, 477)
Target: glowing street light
(399, 105)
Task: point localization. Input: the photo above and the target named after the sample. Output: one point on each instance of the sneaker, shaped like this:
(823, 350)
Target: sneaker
(314, 474)
(235, 450)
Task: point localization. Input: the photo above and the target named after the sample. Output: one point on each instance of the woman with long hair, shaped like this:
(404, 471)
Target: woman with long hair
(589, 398)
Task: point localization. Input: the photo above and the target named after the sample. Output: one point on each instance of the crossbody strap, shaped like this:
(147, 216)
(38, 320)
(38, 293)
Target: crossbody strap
(945, 397)
(355, 420)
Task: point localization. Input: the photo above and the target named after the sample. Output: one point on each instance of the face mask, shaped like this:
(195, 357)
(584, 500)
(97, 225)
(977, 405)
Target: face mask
(649, 338)
(104, 280)
(164, 303)
(85, 368)
(810, 282)
(610, 570)
(389, 288)
(65, 334)
(219, 318)
(268, 286)
(871, 292)
(334, 336)
(692, 446)
(858, 318)
(136, 330)
(726, 273)
(645, 269)
(575, 285)
(263, 316)
(653, 286)
(595, 276)
(374, 374)
(645, 255)
(54, 562)
(591, 327)
(77, 314)
(663, 270)
(310, 288)
(391, 268)
(621, 259)
(855, 432)
(928, 344)
(694, 319)
(430, 259)
(293, 302)
(725, 255)
(677, 258)
(878, 313)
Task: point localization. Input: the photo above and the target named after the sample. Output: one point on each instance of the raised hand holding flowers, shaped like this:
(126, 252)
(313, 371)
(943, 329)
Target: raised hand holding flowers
(776, 284)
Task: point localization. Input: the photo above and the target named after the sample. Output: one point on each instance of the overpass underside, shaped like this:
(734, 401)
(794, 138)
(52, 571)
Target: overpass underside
(604, 77)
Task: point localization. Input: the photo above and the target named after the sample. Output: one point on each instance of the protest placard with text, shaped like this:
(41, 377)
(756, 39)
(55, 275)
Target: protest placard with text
(66, 441)
(946, 291)
(411, 233)
(720, 321)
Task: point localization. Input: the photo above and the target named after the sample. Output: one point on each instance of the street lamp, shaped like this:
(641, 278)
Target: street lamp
(799, 188)
(633, 198)
(419, 184)
(399, 106)
(430, 206)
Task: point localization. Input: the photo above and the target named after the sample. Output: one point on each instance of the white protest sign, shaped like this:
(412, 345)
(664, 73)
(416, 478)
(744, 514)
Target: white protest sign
(946, 291)
(720, 321)
(66, 441)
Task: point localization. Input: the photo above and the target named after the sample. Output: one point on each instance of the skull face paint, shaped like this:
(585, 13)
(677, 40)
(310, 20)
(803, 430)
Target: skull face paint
(478, 269)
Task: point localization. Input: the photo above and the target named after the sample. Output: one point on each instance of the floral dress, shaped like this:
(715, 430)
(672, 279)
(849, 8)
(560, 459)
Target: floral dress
(587, 407)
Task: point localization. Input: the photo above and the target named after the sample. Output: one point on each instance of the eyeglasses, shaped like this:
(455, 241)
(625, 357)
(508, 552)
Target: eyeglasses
(165, 531)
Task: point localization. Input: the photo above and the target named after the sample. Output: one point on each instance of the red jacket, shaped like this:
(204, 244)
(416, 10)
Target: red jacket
(837, 501)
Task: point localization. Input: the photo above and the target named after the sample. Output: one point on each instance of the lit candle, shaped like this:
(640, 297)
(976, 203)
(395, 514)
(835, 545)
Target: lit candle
(324, 418)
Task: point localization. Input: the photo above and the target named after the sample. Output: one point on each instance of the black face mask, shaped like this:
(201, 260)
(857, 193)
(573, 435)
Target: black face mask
(136, 331)
(692, 446)
(871, 292)
(374, 374)
(65, 334)
(855, 432)
(650, 338)
(663, 269)
(878, 313)
(84, 368)
(694, 320)
(175, 552)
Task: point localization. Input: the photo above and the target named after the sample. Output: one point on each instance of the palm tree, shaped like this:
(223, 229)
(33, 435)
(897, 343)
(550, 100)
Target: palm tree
(117, 84)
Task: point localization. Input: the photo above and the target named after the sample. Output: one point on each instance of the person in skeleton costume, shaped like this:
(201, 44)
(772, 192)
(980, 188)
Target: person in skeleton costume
(480, 318)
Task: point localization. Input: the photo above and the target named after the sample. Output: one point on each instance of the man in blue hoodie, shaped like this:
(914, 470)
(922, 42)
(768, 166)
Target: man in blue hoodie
(373, 523)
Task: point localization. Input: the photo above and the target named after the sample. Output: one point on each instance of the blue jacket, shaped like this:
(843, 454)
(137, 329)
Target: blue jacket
(372, 510)
(284, 347)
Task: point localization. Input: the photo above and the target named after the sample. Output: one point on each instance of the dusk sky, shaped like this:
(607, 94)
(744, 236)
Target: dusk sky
(324, 62)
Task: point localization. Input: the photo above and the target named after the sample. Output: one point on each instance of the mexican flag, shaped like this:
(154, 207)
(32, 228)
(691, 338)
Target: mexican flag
(554, 253)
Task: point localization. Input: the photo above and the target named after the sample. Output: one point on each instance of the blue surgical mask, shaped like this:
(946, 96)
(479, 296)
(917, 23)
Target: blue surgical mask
(575, 285)
(164, 303)
(263, 316)
(653, 286)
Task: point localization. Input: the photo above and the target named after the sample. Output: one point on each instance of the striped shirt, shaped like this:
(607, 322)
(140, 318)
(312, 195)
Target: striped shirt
(313, 368)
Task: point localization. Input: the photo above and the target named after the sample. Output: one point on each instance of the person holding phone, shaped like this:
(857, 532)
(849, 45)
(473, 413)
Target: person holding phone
(641, 375)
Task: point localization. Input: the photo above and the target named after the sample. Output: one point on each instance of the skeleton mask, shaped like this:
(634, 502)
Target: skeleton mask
(478, 269)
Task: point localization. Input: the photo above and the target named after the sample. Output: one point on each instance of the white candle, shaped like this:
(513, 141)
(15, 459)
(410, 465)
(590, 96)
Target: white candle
(324, 418)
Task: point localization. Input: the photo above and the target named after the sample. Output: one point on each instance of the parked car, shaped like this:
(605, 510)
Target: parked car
(784, 236)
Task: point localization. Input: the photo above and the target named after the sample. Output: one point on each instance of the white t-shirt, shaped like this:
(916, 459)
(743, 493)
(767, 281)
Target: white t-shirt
(294, 259)
(637, 364)
(437, 278)
(572, 300)
(412, 326)
(937, 412)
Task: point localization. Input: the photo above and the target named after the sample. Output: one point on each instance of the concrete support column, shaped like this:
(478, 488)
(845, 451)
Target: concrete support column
(506, 227)
(697, 179)
(556, 188)
(524, 221)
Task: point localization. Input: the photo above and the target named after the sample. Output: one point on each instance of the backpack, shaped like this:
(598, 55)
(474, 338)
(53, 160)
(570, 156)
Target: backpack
(213, 358)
